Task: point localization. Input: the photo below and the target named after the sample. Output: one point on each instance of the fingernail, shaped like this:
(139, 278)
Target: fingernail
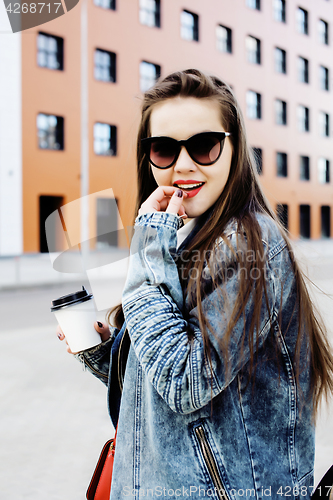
(179, 193)
(59, 336)
(100, 324)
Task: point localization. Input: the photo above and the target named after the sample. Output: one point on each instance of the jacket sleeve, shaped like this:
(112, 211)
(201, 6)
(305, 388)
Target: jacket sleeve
(153, 308)
(97, 359)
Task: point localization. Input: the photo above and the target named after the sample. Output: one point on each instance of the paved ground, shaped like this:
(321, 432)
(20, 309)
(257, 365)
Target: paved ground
(53, 416)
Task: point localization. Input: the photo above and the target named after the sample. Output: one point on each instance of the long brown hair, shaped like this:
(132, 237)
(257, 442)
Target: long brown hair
(241, 199)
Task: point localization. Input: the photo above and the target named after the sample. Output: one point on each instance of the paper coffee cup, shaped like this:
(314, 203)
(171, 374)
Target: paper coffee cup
(76, 314)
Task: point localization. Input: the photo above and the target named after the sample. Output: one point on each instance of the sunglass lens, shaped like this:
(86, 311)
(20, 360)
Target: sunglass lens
(205, 149)
(163, 152)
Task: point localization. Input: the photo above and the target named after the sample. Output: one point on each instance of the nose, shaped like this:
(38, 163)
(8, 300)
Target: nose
(184, 162)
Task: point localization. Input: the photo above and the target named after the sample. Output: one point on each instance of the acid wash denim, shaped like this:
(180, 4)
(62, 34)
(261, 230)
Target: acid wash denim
(188, 430)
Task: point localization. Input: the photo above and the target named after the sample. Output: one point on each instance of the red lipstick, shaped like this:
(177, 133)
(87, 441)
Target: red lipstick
(191, 192)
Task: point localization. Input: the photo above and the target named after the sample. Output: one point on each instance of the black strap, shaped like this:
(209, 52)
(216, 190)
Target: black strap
(323, 489)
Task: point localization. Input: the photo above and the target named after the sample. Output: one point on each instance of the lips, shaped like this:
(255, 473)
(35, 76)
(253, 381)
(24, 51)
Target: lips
(191, 187)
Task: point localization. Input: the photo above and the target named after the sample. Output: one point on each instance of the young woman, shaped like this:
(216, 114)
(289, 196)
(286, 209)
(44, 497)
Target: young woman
(227, 359)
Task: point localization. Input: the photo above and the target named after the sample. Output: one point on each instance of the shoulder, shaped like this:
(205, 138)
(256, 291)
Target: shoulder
(271, 236)
(235, 239)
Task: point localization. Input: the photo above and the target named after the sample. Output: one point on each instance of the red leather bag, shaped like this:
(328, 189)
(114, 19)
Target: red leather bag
(100, 484)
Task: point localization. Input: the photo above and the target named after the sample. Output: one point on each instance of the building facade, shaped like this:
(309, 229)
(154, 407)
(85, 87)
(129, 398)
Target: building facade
(276, 54)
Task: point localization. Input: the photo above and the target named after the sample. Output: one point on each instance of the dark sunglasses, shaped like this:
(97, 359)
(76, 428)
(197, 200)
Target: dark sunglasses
(204, 148)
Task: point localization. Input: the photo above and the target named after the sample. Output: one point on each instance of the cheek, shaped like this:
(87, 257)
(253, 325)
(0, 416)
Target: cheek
(162, 177)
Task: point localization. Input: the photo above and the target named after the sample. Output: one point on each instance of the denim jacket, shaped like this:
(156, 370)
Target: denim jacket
(190, 430)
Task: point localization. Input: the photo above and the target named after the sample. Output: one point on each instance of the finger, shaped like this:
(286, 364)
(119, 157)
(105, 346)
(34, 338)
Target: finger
(60, 333)
(164, 203)
(102, 329)
(176, 203)
(69, 350)
(164, 192)
(157, 201)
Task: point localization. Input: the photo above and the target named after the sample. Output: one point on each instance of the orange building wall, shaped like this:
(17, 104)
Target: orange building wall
(58, 92)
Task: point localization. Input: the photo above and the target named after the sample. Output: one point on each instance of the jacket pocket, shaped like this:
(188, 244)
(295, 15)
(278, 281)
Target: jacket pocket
(206, 454)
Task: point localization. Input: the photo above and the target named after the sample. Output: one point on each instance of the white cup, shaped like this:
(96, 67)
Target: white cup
(76, 314)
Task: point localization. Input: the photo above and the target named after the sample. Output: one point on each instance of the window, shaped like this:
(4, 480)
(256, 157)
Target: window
(257, 154)
(223, 39)
(303, 118)
(106, 4)
(107, 222)
(149, 73)
(304, 168)
(302, 21)
(105, 66)
(253, 4)
(324, 79)
(50, 238)
(323, 31)
(281, 164)
(304, 222)
(105, 139)
(189, 23)
(325, 221)
(253, 105)
(280, 11)
(280, 60)
(50, 130)
(253, 50)
(303, 70)
(280, 112)
(324, 124)
(50, 51)
(323, 171)
(282, 213)
(150, 13)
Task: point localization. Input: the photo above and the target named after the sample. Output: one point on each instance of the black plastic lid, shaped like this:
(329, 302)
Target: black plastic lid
(70, 299)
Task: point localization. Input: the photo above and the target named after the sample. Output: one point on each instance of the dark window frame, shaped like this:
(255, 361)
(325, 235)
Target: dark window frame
(59, 54)
(157, 68)
(258, 157)
(156, 13)
(113, 66)
(281, 164)
(324, 78)
(326, 171)
(305, 221)
(306, 120)
(280, 62)
(324, 39)
(257, 5)
(304, 72)
(254, 56)
(228, 41)
(304, 168)
(326, 128)
(113, 140)
(112, 4)
(280, 13)
(195, 31)
(282, 113)
(303, 26)
(58, 134)
(325, 216)
(258, 106)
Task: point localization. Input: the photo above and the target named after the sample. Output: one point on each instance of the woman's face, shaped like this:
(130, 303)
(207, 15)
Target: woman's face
(181, 118)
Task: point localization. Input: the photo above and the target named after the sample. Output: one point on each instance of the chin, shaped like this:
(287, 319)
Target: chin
(194, 208)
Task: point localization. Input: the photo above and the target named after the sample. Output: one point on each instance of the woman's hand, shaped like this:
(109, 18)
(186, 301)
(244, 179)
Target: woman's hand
(165, 199)
(101, 328)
